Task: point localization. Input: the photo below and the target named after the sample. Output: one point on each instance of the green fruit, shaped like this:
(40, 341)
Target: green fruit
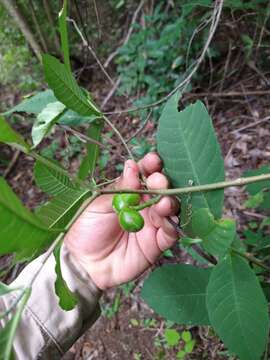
(131, 220)
(120, 201)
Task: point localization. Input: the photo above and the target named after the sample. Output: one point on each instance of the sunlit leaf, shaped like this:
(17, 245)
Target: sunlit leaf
(45, 121)
(35, 104)
(237, 308)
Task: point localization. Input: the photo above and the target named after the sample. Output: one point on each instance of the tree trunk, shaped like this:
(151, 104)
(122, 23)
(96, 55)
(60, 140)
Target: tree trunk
(21, 22)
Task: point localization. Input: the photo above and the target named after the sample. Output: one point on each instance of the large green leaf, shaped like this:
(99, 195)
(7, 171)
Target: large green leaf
(58, 212)
(188, 145)
(65, 88)
(237, 308)
(177, 292)
(257, 187)
(45, 121)
(51, 181)
(64, 34)
(7, 334)
(217, 235)
(20, 230)
(67, 299)
(11, 137)
(88, 164)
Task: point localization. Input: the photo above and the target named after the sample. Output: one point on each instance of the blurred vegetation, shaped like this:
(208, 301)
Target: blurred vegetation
(166, 40)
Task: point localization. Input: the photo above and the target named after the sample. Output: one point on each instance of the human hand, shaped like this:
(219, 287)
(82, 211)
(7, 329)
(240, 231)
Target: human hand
(110, 255)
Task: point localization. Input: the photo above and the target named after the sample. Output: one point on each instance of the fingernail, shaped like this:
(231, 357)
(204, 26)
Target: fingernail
(127, 168)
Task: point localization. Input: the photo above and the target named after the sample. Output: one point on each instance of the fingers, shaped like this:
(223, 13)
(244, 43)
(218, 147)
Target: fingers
(130, 178)
(168, 206)
(150, 163)
(165, 240)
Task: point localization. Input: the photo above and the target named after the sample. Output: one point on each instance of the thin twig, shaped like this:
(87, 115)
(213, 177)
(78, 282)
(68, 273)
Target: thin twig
(138, 131)
(252, 259)
(229, 94)
(190, 189)
(213, 27)
(130, 30)
(119, 135)
(255, 123)
(89, 47)
(82, 136)
(12, 163)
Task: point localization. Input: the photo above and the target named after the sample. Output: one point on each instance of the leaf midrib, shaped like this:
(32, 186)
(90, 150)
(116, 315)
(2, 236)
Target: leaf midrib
(189, 155)
(80, 98)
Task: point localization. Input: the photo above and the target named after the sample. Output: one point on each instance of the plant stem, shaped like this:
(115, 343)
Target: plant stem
(119, 135)
(148, 203)
(190, 189)
(251, 258)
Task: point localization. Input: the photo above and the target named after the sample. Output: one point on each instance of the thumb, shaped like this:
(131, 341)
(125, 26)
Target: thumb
(130, 178)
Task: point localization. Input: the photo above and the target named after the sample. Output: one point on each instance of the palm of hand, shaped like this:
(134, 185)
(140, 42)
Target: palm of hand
(112, 256)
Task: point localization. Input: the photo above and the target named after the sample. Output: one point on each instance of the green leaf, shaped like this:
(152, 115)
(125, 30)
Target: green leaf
(51, 181)
(20, 230)
(34, 104)
(186, 336)
(65, 88)
(67, 299)
(88, 164)
(237, 308)
(181, 354)
(188, 146)
(266, 290)
(71, 118)
(45, 121)
(11, 137)
(177, 292)
(4, 289)
(189, 346)
(217, 235)
(64, 34)
(257, 187)
(255, 200)
(172, 337)
(7, 334)
(58, 212)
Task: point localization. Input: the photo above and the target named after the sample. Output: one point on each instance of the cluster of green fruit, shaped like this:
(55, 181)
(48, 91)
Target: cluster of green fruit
(125, 205)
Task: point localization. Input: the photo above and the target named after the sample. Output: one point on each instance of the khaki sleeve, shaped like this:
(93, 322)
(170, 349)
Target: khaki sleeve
(46, 331)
